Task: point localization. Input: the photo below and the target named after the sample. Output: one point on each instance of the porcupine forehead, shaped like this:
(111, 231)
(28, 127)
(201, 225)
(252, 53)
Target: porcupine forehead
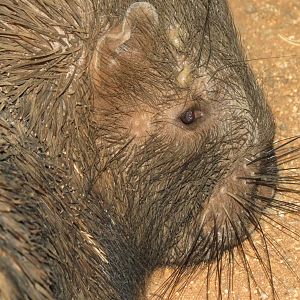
(190, 39)
(176, 53)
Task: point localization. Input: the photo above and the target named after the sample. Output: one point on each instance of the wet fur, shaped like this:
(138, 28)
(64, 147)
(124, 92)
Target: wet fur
(88, 202)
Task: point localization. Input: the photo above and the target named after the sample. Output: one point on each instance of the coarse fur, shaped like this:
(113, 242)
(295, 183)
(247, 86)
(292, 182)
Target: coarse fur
(104, 176)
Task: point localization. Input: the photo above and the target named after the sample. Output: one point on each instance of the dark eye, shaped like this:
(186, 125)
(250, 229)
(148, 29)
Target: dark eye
(188, 117)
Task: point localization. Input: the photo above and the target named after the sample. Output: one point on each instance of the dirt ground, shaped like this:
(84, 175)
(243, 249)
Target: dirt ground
(270, 33)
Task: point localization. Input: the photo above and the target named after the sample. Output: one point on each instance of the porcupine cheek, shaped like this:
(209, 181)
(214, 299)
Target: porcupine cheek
(139, 124)
(236, 204)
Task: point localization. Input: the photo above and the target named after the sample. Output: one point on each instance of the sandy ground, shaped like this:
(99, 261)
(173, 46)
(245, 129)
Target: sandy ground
(270, 32)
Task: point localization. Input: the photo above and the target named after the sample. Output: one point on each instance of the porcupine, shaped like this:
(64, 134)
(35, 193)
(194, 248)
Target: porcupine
(130, 133)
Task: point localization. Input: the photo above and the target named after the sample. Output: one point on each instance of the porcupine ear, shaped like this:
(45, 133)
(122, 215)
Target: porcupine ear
(124, 45)
(141, 16)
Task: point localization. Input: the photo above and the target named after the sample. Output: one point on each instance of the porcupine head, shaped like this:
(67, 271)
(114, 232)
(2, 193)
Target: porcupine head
(179, 116)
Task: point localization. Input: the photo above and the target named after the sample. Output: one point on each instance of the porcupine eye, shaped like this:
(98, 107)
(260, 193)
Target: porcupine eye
(188, 117)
